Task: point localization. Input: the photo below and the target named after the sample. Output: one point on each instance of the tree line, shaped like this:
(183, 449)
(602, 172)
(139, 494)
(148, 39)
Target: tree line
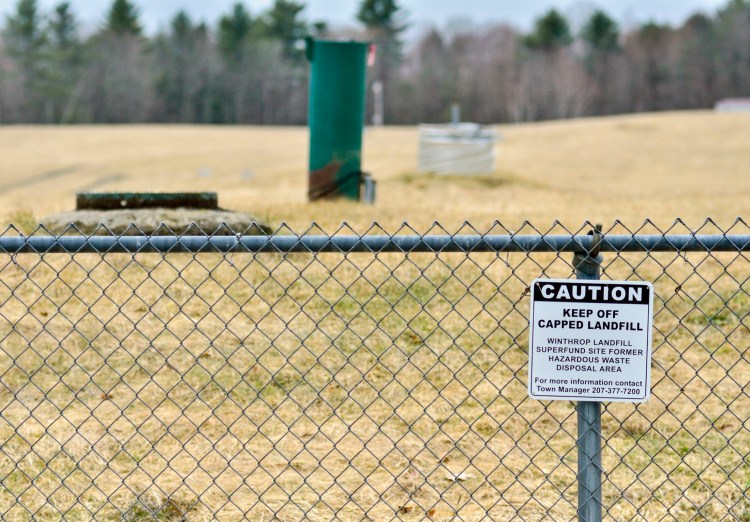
(250, 68)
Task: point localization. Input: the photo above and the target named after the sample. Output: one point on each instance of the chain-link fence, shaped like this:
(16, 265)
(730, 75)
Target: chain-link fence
(356, 376)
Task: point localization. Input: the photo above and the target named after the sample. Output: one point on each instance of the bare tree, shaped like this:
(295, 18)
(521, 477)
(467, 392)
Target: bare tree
(247, 69)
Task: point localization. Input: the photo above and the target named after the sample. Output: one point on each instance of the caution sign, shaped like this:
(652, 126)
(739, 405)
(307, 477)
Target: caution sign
(590, 340)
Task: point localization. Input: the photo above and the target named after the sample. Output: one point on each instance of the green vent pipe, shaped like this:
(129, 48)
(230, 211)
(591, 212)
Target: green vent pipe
(336, 117)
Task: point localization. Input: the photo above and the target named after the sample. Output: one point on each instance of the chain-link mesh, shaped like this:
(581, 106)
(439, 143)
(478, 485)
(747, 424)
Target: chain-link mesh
(354, 385)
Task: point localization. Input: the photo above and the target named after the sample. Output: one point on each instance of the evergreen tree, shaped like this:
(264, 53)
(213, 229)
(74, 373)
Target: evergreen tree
(551, 32)
(26, 39)
(384, 19)
(246, 68)
(602, 37)
(234, 33)
(182, 27)
(119, 83)
(123, 18)
(601, 32)
(25, 35)
(381, 14)
(66, 55)
(282, 22)
(235, 36)
(64, 27)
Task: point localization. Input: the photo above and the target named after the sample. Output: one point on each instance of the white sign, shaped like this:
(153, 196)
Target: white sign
(590, 340)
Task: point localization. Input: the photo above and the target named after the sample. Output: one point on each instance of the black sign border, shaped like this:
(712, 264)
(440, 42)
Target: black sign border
(593, 398)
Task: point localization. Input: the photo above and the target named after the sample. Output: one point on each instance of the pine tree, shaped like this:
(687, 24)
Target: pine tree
(123, 18)
(234, 33)
(551, 32)
(64, 27)
(601, 32)
(381, 14)
(602, 36)
(282, 22)
(66, 55)
(119, 83)
(384, 19)
(26, 39)
(182, 26)
(25, 35)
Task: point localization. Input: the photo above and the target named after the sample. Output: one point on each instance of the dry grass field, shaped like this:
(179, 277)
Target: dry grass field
(269, 387)
(689, 165)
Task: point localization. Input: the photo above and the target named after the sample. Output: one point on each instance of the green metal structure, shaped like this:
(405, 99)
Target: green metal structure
(336, 117)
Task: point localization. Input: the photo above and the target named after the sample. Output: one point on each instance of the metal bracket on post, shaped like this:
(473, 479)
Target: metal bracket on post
(587, 265)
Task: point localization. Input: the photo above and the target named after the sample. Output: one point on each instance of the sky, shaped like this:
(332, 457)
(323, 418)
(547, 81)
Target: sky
(155, 14)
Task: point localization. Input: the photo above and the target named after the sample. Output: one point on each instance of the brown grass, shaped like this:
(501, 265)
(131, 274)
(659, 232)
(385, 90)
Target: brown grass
(199, 388)
(689, 165)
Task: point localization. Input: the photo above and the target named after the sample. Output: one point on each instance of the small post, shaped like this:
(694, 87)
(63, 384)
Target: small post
(368, 188)
(588, 266)
(379, 103)
(455, 113)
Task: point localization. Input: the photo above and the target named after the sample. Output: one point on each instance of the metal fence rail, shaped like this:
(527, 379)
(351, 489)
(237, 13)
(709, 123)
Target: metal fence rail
(344, 376)
(372, 243)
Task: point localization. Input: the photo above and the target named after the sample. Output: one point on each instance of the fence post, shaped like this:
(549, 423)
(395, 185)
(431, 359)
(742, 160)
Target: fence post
(588, 266)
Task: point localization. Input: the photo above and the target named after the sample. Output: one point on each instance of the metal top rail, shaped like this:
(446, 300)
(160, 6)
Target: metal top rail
(371, 244)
